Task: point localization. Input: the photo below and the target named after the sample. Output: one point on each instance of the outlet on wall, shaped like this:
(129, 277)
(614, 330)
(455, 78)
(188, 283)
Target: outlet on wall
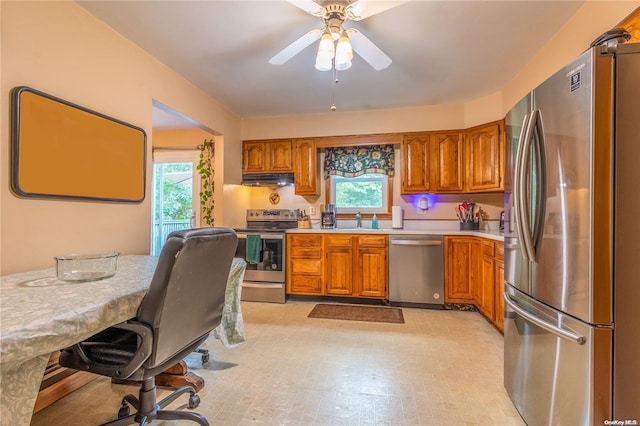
(312, 210)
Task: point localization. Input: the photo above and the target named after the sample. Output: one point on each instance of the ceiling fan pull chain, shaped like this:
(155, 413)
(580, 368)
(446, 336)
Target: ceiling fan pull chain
(333, 90)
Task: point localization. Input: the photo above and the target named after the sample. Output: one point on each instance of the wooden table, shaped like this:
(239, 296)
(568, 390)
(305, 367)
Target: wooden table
(40, 315)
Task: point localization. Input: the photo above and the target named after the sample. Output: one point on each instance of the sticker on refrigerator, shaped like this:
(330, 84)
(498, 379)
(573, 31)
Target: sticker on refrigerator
(575, 81)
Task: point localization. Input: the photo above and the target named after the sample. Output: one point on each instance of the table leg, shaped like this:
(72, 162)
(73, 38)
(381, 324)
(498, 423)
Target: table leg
(19, 384)
(178, 376)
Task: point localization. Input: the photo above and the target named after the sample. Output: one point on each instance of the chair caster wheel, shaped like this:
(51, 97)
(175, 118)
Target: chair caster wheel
(124, 411)
(194, 401)
(205, 358)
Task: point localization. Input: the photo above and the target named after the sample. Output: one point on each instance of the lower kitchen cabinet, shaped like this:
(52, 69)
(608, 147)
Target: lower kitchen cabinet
(304, 264)
(488, 281)
(499, 286)
(338, 269)
(349, 265)
(474, 274)
(460, 268)
(371, 274)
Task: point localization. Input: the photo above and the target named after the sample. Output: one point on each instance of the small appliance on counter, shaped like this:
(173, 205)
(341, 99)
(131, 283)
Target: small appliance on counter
(328, 215)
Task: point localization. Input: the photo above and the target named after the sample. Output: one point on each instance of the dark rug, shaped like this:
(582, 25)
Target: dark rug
(358, 313)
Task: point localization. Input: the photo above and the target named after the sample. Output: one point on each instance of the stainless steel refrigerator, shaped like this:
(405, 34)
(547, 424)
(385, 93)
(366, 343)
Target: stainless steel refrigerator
(572, 244)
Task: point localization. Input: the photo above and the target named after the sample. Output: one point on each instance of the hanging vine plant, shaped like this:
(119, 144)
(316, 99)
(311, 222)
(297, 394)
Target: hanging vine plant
(206, 172)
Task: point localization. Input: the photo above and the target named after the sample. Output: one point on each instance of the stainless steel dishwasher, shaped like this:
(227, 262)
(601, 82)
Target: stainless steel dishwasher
(416, 270)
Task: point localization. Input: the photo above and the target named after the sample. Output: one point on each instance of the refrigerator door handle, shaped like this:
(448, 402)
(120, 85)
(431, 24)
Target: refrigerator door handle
(517, 177)
(551, 328)
(525, 173)
(541, 186)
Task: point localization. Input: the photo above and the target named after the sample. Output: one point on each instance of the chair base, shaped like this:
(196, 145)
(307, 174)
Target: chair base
(148, 410)
(205, 354)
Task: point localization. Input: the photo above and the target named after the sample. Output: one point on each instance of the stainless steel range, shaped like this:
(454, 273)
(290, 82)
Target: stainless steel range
(262, 245)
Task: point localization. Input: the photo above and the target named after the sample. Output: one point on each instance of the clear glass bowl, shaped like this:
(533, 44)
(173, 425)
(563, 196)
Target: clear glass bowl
(86, 267)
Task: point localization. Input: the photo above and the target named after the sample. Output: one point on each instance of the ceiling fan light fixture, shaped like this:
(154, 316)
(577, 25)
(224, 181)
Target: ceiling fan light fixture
(342, 66)
(324, 62)
(344, 52)
(326, 46)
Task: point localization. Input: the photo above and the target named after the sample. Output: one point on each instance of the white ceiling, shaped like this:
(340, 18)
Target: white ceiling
(442, 51)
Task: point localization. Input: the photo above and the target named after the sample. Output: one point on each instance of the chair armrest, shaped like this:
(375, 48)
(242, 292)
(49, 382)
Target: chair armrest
(143, 351)
(80, 360)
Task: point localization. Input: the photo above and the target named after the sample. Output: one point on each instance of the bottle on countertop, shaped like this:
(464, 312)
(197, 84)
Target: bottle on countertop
(374, 222)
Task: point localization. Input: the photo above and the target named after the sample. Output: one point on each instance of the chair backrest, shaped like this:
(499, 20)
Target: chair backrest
(186, 296)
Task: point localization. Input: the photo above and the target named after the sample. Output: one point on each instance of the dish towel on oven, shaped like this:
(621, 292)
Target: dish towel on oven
(254, 245)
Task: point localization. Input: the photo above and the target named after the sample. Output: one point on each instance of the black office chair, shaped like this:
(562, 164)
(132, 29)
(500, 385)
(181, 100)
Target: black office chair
(183, 304)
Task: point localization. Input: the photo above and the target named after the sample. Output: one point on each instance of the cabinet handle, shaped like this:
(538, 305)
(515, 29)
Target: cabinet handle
(416, 243)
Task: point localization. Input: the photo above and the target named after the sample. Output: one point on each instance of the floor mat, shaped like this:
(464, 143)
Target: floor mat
(358, 313)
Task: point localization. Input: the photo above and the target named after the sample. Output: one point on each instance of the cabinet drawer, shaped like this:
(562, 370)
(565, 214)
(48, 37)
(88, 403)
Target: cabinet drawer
(500, 251)
(338, 240)
(487, 248)
(306, 284)
(305, 252)
(305, 240)
(372, 241)
(306, 266)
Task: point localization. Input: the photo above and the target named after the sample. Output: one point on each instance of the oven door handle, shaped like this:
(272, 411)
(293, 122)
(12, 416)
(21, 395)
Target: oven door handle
(265, 236)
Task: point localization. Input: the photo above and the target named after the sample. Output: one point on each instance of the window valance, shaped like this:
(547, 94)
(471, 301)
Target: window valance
(359, 160)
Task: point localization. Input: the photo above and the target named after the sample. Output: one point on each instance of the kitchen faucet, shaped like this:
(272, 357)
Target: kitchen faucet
(358, 220)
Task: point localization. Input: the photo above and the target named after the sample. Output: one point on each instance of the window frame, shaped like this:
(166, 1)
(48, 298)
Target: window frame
(365, 214)
(335, 179)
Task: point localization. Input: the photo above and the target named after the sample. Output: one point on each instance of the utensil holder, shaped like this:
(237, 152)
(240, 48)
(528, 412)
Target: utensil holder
(304, 224)
(469, 226)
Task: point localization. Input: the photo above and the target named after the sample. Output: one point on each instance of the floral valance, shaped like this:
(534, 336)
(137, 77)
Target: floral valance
(359, 160)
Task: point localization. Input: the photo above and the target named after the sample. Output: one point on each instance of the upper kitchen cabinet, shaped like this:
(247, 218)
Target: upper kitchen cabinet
(267, 156)
(305, 167)
(431, 162)
(446, 163)
(484, 165)
(253, 157)
(414, 164)
(453, 162)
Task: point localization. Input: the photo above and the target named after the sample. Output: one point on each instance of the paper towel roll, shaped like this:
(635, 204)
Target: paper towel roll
(396, 217)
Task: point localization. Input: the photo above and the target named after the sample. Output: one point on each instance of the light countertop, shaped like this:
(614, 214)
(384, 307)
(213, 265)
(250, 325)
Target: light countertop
(493, 235)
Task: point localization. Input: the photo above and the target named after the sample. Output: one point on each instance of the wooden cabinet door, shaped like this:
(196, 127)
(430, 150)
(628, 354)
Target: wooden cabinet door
(305, 167)
(338, 276)
(304, 264)
(484, 158)
(253, 157)
(458, 269)
(280, 156)
(499, 286)
(487, 306)
(414, 164)
(446, 162)
(475, 272)
(371, 273)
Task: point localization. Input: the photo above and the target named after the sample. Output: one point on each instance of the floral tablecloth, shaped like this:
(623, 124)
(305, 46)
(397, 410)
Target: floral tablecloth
(40, 315)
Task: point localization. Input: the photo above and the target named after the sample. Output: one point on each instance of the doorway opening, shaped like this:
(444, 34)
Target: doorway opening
(175, 195)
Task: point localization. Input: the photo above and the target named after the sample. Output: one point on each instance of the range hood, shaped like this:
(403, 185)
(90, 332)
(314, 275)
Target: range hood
(268, 179)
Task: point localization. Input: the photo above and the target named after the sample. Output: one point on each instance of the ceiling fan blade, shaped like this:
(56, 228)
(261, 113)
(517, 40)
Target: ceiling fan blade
(361, 9)
(367, 50)
(296, 47)
(309, 6)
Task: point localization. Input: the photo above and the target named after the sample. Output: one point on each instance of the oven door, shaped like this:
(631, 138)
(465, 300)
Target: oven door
(271, 267)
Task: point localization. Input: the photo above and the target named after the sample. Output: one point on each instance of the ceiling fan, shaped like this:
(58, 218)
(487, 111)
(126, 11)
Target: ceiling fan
(334, 13)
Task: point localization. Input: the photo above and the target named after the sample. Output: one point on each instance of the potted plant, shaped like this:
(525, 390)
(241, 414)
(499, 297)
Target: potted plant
(206, 172)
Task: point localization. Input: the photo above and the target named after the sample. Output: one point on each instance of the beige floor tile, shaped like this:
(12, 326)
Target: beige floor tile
(439, 368)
